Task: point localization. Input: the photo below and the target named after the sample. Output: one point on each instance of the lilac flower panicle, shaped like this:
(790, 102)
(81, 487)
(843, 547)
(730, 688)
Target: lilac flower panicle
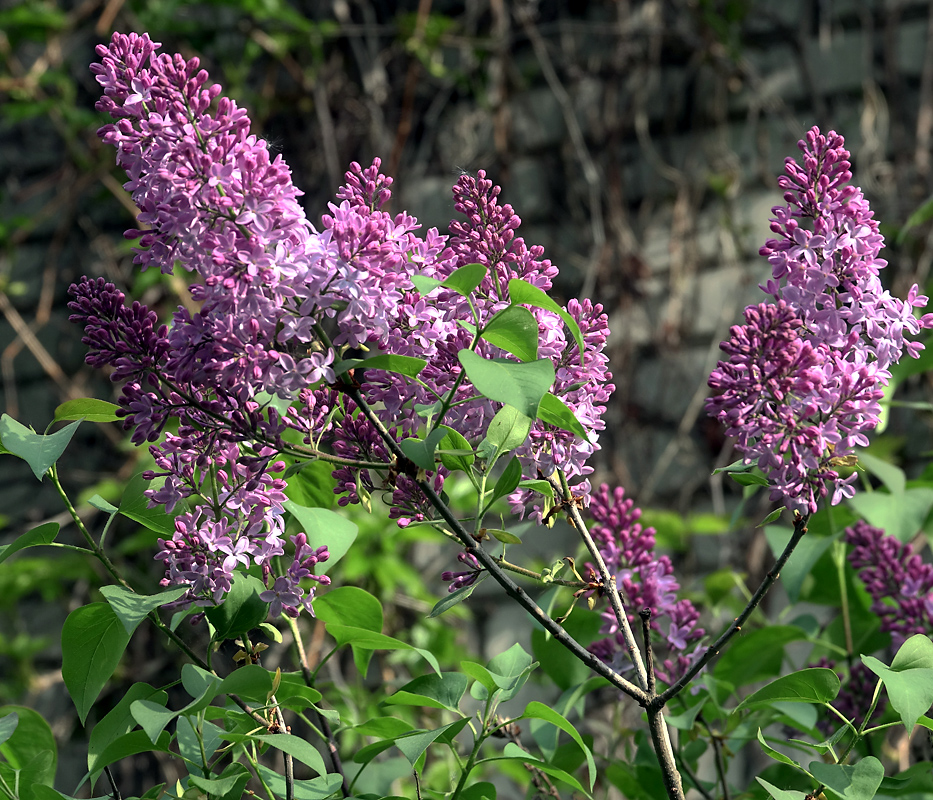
(645, 580)
(800, 389)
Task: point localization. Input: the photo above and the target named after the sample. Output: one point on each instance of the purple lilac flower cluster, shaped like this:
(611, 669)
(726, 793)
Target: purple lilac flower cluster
(855, 694)
(805, 373)
(279, 302)
(899, 582)
(645, 580)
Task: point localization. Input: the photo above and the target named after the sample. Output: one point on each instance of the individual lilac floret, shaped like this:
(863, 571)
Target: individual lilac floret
(645, 581)
(801, 387)
(459, 580)
(899, 582)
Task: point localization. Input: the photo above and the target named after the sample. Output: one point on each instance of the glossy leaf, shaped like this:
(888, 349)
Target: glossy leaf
(815, 685)
(857, 782)
(503, 536)
(528, 295)
(507, 431)
(132, 608)
(520, 384)
(43, 534)
(348, 605)
(38, 450)
(421, 451)
(556, 412)
(30, 747)
(324, 527)
(460, 454)
(402, 365)
(87, 408)
(909, 679)
(241, 610)
(93, 641)
(515, 330)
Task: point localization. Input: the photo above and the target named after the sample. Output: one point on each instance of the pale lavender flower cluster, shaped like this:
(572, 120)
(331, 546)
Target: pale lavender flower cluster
(805, 373)
(899, 582)
(645, 581)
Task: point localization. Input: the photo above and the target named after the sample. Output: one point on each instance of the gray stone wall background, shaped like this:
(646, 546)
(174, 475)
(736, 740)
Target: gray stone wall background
(639, 142)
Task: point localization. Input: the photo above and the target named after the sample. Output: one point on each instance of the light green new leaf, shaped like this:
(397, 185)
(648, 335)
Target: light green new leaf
(515, 330)
(520, 384)
(512, 752)
(421, 451)
(38, 450)
(536, 710)
(858, 782)
(508, 430)
(816, 685)
(455, 597)
(402, 365)
(455, 451)
(524, 293)
(323, 526)
(349, 605)
(132, 608)
(93, 641)
(43, 534)
(781, 794)
(87, 408)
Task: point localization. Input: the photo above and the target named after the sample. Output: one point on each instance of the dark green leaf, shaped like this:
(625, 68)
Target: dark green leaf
(858, 782)
(241, 609)
(508, 480)
(43, 792)
(508, 430)
(318, 788)
(401, 365)
(30, 747)
(135, 505)
(520, 384)
(749, 479)
(455, 597)
(44, 534)
(816, 685)
(116, 724)
(296, 747)
(808, 551)
(479, 791)
(909, 679)
(232, 781)
(132, 608)
(515, 330)
(37, 450)
(93, 641)
(249, 682)
(757, 656)
(781, 794)
(536, 710)
(455, 451)
(413, 745)
(922, 214)
(525, 294)
(324, 527)
(348, 605)
(555, 411)
(775, 754)
(443, 690)
(421, 451)
(87, 408)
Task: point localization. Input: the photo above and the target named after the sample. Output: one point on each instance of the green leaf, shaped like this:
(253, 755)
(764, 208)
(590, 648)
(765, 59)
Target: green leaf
(87, 408)
(424, 284)
(524, 293)
(348, 605)
(809, 550)
(891, 476)
(116, 724)
(520, 384)
(816, 685)
(900, 515)
(536, 710)
(749, 479)
(152, 717)
(8, 725)
(318, 788)
(132, 608)
(323, 526)
(757, 656)
(295, 694)
(540, 486)
(507, 671)
(383, 727)
(443, 690)
(241, 609)
(920, 215)
(402, 365)
(555, 411)
(508, 480)
(37, 450)
(414, 744)
(93, 641)
(296, 747)
(508, 430)
(466, 278)
(781, 794)
(135, 505)
(129, 744)
(512, 752)
(858, 782)
(775, 754)
(249, 682)
(370, 640)
(455, 597)
(735, 466)
(42, 792)
(232, 781)
(44, 534)
(455, 451)
(311, 484)
(515, 330)
(503, 536)
(421, 451)
(479, 791)
(909, 679)
(30, 748)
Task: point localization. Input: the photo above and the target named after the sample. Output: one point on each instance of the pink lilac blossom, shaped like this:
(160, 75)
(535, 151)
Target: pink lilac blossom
(801, 386)
(645, 581)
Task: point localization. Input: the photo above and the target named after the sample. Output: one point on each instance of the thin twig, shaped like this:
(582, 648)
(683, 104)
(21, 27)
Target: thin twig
(645, 615)
(800, 528)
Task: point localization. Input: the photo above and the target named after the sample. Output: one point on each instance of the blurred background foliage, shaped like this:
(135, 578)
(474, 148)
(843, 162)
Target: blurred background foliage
(639, 141)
